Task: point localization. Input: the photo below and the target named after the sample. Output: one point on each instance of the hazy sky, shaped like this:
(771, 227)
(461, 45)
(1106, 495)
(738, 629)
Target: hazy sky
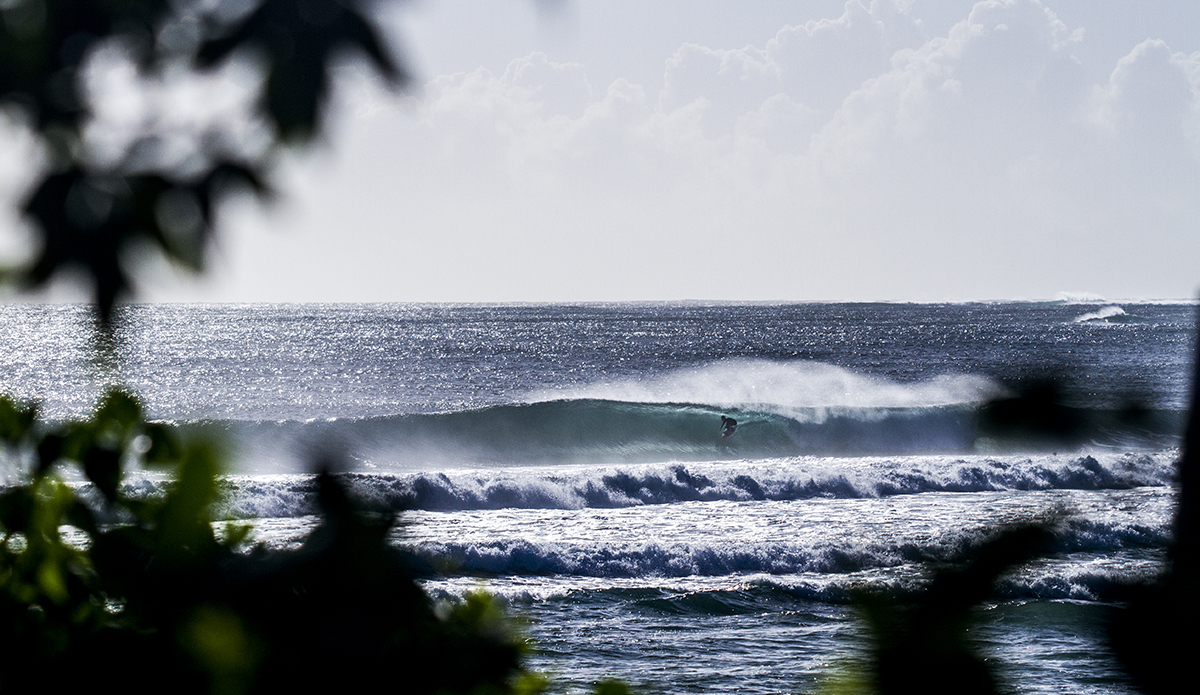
(748, 149)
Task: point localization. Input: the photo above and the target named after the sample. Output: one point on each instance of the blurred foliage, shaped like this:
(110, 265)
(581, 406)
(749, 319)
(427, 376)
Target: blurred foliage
(1035, 414)
(611, 687)
(1155, 633)
(924, 644)
(86, 581)
(92, 576)
(92, 214)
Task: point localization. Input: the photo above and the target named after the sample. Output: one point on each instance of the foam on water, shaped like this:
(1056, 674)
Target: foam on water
(569, 458)
(1103, 314)
(790, 385)
(787, 479)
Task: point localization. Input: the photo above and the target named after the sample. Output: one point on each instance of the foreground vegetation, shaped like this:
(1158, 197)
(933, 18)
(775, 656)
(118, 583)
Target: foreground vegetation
(96, 582)
(101, 586)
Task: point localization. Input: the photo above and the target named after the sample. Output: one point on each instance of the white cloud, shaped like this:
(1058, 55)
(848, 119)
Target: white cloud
(841, 158)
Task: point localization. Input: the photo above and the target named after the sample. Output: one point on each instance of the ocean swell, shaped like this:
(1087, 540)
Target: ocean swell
(609, 432)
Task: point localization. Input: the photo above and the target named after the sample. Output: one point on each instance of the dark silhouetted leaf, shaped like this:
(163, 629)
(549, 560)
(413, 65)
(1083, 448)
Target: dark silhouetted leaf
(49, 450)
(103, 468)
(301, 38)
(923, 645)
(15, 509)
(120, 409)
(164, 447)
(15, 420)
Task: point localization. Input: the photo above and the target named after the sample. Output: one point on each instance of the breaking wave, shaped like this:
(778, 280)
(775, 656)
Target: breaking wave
(629, 486)
(613, 432)
(783, 386)
(1103, 315)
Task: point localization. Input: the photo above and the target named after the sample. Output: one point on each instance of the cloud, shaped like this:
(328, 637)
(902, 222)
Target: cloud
(814, 66)
(844, 158)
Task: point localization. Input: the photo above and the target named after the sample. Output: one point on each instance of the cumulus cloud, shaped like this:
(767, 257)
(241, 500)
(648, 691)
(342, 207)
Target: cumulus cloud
(854, 157)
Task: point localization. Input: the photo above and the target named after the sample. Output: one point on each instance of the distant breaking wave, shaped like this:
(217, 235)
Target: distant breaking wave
(1103, 314)
(1079, 298)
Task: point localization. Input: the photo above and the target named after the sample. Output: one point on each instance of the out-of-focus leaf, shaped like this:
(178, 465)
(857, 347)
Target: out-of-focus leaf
(236, 534)
(611, 687)
(43, 43)
(49, 450)
(80, 516)
(50, 580)
(164, 447)
(77, 440)
(218, 639)
(924, 645)
(183, 524)
(103, 468)
(90, 221)
(15, 509)
(300, 39)
(1154, 635)
(530, 683)
(16, 419)
(118, 408)
(82, 223)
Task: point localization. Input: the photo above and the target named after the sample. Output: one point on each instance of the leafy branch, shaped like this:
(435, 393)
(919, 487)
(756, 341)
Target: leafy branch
(90, 211)
(86, 580)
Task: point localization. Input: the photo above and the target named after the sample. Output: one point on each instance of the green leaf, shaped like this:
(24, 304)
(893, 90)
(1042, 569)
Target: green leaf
(80, 516)
(50, 581)
(16, 419)
(119, 408)
(77, 440)
(183, 523)
(611, 686)
(164, 446)
(236, 534)
(530, 683)
(217, 638)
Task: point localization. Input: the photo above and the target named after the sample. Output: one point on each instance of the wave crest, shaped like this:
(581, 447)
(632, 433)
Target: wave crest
(1101, 315)
(787, 385)
(777, 480)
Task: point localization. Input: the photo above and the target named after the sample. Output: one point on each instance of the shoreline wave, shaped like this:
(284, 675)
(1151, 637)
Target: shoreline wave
(615, 487)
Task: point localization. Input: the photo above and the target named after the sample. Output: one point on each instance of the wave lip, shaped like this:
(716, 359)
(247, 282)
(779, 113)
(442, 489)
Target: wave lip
(1104, 315)
(600, 432)
(781, 385)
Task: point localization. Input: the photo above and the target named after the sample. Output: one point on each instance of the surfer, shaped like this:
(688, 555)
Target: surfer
(728, 426)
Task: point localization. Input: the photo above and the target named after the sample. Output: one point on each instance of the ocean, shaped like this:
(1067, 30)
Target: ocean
(569, 459)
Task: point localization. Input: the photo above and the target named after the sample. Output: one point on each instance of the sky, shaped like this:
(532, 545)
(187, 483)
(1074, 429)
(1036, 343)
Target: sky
(614, 150)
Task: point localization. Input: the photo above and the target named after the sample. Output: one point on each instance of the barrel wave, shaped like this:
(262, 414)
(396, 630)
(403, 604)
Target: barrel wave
(603, 431)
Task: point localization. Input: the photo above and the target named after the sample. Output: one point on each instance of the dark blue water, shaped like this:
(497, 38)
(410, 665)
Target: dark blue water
(570, 459)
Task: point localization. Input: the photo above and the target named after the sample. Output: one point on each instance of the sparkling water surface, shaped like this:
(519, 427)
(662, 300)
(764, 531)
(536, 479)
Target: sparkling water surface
(568, 458)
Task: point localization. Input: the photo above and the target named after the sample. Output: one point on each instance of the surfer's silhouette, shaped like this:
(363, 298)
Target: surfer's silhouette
(728, 426)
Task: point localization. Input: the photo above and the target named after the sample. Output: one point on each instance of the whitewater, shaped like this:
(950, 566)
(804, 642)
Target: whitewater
(569, 459)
